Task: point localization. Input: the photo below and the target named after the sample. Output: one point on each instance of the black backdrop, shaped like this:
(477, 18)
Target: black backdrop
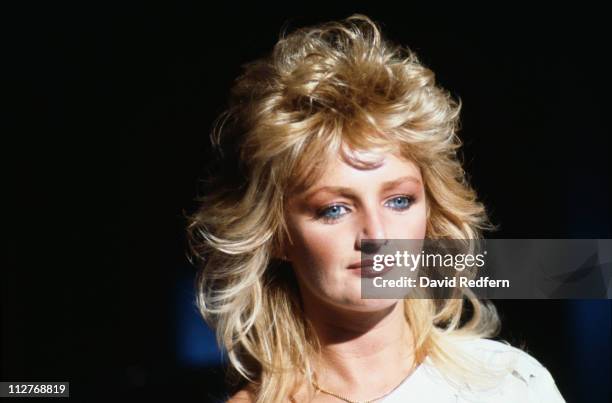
(108, 131)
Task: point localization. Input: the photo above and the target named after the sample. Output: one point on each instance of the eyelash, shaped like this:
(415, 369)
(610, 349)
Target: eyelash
(330, 220)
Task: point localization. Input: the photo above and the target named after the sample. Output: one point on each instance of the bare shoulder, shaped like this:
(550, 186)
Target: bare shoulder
(242, 396)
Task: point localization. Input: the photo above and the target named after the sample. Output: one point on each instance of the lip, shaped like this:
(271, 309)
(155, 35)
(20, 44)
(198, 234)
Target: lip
(366, 269)
(359, 264)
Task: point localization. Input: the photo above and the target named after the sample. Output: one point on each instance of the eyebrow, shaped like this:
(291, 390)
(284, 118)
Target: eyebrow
(349, 191)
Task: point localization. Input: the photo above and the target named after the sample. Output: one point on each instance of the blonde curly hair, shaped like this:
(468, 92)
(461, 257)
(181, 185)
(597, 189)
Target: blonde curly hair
(323, 88)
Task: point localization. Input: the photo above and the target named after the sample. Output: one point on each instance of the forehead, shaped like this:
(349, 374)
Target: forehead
(378, 170)
(341, 159)
(366, 168)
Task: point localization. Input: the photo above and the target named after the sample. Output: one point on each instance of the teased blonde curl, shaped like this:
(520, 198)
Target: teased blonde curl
(322, 91)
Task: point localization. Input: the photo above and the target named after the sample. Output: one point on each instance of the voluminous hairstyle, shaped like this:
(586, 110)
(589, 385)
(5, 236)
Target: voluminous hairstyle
(322, 91)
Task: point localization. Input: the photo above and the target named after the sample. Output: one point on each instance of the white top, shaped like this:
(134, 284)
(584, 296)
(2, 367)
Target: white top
(527, 381)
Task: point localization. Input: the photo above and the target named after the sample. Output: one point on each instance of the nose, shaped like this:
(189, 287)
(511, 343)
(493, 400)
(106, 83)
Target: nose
(372, 228)
(372, 246)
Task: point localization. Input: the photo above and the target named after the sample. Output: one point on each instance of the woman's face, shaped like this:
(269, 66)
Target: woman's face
(347, 204)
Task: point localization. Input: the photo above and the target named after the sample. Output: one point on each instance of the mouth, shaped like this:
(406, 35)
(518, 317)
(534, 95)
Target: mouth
(365, 268)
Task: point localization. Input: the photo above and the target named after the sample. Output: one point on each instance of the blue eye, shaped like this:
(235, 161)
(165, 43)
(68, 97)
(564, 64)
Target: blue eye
(336, 211)
(401, 202)
(332, 213)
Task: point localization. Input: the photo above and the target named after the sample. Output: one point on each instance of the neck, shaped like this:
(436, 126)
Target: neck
(362, 353)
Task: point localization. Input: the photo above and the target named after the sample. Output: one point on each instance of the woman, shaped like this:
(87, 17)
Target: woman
(338, 136)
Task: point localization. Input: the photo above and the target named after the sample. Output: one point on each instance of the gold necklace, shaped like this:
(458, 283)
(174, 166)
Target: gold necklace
(316, 385)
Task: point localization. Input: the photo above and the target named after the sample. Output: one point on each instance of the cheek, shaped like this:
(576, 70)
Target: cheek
(319, 249)
(321, 246)
(409, 226)
(419, 227)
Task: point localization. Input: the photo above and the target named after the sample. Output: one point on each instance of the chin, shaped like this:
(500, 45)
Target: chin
(369, 305)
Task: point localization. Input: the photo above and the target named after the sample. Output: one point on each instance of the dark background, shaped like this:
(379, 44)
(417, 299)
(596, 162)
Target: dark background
(107, 136)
